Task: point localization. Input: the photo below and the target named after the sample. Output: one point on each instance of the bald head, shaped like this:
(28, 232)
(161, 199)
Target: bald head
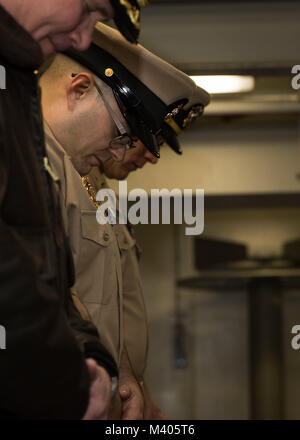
(59, 72)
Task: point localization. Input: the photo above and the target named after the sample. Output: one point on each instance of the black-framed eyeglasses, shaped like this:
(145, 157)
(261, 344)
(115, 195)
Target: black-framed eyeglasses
(124, 140)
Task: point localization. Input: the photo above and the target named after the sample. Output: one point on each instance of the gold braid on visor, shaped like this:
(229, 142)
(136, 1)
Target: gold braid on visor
(134, 13)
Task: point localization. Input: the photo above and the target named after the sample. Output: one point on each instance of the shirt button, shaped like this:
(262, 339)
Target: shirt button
(105, 236)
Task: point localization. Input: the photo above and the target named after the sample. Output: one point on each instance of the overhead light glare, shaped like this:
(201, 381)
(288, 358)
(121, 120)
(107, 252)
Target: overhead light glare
(225, 83)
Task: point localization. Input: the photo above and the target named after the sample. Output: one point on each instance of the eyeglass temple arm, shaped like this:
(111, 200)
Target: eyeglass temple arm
(118, 123)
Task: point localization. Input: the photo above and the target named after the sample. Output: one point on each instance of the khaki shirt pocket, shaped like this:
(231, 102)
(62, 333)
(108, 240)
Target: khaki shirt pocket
(93, 231)
(96, 272)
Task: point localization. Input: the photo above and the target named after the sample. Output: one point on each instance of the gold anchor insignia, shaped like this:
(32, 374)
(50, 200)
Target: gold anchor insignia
(193, 114)
(169, 119)
(171, 122)
(133, 12)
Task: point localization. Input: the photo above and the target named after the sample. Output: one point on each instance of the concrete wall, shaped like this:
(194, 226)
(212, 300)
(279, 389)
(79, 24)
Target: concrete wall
(228, 160)
(222, 160)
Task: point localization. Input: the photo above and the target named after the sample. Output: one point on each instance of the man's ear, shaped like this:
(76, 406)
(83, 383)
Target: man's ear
(78, 87)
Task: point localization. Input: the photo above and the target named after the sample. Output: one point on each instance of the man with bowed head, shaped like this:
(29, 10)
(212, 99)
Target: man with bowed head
(43, 369)
(111, 107)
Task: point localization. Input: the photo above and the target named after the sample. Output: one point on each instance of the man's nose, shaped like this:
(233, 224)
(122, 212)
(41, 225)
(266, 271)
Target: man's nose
(149, 157)
(81, 39)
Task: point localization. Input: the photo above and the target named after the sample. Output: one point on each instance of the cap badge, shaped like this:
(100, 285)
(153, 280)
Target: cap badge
(133, 12)
(169, 119)
(193, 114)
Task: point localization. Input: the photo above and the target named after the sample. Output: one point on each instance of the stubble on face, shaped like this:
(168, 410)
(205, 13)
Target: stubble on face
(83, 165)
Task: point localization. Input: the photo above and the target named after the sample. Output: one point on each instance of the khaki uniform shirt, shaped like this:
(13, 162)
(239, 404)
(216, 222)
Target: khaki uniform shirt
(135, 324)
(106, 267)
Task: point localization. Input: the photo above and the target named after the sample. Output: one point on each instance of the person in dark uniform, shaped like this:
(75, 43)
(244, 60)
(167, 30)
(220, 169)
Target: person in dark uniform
(43, 372)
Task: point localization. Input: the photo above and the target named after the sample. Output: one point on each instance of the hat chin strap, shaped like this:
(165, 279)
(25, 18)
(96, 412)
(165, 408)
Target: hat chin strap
(110, 110)
(171, 138)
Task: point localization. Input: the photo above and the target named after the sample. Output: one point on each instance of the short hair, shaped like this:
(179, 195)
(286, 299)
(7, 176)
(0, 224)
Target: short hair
(60, 67)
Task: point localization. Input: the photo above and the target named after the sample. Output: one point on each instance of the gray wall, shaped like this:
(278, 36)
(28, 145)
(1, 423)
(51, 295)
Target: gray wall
(215, 384)
(222, 160)
(194, 35)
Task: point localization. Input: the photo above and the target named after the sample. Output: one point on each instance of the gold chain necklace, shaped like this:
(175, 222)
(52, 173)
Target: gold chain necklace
(91, 190)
